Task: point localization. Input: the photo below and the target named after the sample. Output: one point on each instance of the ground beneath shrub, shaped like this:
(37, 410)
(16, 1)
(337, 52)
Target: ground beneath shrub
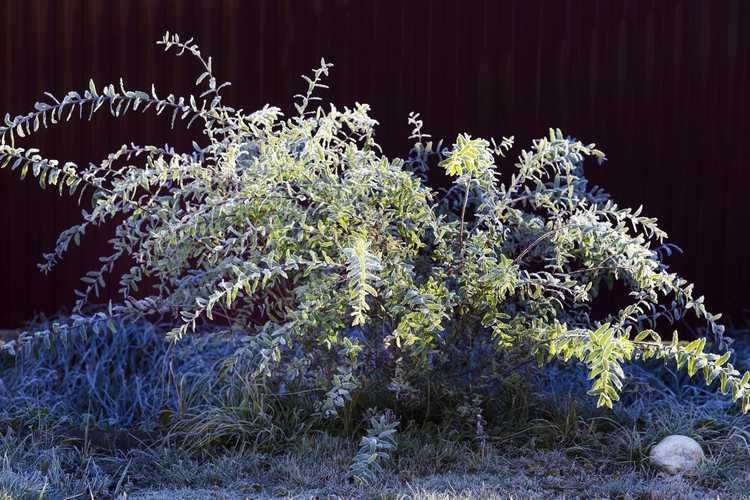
(426, 467)
(318, 470)
(432, 468)
(550, 442)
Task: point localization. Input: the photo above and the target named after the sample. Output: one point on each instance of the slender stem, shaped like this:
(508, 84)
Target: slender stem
(540, 239)
(463, 218)
(534, 244)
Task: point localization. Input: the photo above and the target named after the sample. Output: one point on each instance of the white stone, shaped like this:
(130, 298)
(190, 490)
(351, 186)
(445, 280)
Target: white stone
(677, 454)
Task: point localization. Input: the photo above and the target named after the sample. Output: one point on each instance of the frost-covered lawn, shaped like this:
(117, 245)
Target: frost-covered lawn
(550, 444)
(437, 472)
(317, 468)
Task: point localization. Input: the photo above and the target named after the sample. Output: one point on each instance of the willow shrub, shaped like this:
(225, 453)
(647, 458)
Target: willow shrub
(344, 271)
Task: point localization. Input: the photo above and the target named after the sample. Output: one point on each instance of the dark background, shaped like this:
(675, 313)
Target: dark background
(660, 86)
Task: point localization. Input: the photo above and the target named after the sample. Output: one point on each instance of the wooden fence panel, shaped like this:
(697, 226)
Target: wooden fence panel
(660, 85)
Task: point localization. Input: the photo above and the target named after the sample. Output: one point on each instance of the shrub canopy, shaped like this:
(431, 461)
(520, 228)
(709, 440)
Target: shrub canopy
(345, 270)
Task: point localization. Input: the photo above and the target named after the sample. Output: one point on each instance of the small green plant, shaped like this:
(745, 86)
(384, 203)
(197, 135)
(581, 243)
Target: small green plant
(375, 448)
(345, 272)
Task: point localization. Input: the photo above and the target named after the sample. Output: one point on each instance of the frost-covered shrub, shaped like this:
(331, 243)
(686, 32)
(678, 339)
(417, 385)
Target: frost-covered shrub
(346, 273)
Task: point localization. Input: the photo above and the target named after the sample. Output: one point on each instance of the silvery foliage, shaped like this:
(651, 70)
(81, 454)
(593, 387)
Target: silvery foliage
(343, 269)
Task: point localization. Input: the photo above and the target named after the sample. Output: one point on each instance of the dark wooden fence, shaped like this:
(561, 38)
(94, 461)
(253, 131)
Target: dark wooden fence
(661, 86)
